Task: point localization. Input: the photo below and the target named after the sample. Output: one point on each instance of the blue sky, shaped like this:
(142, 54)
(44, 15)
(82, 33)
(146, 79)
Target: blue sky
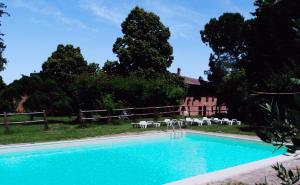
(36, 27)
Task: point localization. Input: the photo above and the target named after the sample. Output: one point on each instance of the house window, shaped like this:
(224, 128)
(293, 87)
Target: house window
(213, 99)
(207, 98)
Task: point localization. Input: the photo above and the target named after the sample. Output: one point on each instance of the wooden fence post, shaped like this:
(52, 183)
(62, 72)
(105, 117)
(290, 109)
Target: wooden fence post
(133, 115)
(81, 118)
(46, 126)
(5, 122)
(109, 118)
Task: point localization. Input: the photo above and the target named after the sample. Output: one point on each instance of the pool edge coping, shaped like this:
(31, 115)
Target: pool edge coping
(76, 142)
(124, 135)
(232, 171)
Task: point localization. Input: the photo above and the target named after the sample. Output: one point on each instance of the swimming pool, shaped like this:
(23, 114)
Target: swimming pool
(137, 160)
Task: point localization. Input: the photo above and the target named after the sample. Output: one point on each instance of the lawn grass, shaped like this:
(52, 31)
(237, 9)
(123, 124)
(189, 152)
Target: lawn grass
(62, 131)
(65, 131)
(53, 119)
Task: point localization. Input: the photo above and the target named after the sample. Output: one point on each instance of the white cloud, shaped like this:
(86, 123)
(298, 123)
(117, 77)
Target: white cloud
(182, 20)
(42, 8)
(114, 14)
(229, 4)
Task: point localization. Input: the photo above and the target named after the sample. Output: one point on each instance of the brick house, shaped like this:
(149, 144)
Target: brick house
(201, 98)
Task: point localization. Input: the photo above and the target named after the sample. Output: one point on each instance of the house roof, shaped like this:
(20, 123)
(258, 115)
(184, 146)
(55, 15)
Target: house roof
(191, 81)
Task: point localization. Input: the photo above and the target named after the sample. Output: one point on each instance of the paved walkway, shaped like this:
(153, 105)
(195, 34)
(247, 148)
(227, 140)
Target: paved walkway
(258, 176)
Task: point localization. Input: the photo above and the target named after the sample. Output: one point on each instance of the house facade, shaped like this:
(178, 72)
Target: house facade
(201, 99)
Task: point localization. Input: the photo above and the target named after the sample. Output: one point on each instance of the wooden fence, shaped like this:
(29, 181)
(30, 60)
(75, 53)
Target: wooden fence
(95, 115)
(127, 112)
(6, 121)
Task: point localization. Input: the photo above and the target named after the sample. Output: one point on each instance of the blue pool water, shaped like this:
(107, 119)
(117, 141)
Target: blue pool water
(147, 161)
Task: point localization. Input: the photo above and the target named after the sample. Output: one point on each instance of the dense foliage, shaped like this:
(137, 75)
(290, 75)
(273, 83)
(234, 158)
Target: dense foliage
(255, 62)
(283, 125)
(144, 47)
(264, 50)
(273, 45)
(89, 91)
(68, 83)
(93, 91)
(65, 64)
(226, 37)
(234, 89)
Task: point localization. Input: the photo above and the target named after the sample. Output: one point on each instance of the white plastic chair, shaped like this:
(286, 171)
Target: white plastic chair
(236, 121)
(198, 121)
(150, 123)
(216, 120)
(227, 121)
(165, 122)
(156, 124)
(168, 122)
(189, 121)
(135, 124)
(180, 123)
(143, 124)
(206, 120)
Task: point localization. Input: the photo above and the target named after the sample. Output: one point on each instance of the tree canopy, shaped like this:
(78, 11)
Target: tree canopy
(110, 67)
(65, 64)
(273, 42)
(144, 46)
(68, 83)
(261, 54)
(226, 37)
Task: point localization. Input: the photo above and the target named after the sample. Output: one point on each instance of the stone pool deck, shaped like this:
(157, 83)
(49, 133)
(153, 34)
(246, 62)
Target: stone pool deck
(258, 176)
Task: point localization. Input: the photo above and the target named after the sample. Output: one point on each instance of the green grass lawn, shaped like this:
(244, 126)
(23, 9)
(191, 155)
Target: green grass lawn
(65, 131)
(52, 119)
(61, 131)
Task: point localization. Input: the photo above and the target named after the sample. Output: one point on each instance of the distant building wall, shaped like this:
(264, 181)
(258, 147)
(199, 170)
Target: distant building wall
(202, 106)
(201, 98)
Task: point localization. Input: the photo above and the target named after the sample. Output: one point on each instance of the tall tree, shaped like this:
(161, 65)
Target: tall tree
(274, 45)
(2, 45)
(144, 46)
(266, 47)
(226, 37)
(65, 64)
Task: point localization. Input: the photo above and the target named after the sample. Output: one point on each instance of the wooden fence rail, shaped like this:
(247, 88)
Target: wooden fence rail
(130, 112)
(89, 115)
(7, 123)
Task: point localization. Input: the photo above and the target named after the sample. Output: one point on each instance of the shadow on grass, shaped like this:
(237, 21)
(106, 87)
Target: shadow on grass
(248, 129)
